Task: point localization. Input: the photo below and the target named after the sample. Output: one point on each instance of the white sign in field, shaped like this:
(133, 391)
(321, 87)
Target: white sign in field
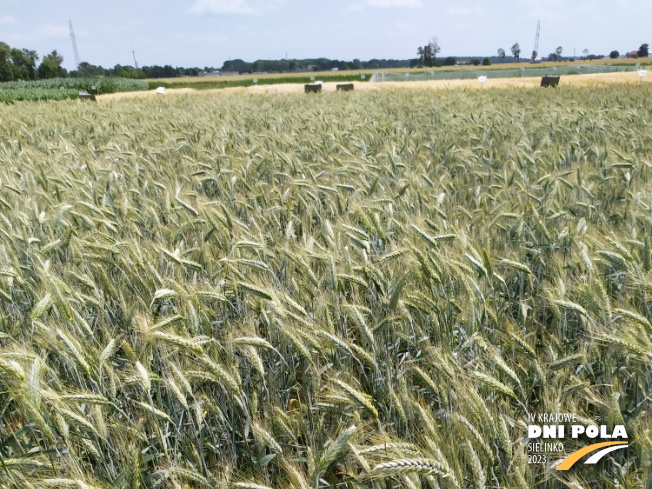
(642, 72)
(362, 77)
(160, 90)
(482, 79)
(255, 80)
(312, 78)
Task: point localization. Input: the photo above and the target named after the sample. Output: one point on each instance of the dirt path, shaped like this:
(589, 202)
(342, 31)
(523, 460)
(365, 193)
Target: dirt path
(602, 79)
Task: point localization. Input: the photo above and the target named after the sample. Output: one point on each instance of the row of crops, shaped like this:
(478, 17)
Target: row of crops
(66, 88)
(521, 72)
(369, 292)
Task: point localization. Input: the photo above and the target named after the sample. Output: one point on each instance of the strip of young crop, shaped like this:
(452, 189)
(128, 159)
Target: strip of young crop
(370, 290)
(65, 88)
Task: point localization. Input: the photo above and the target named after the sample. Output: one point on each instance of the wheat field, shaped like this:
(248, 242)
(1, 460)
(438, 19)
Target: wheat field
(361, 290)
(587, 80)
(524, 64)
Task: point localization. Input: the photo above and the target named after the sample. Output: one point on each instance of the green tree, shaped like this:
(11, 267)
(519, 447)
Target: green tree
(516, 52)
(435, 48)
(51, 67)
(643, 51)
(425, 55)
(475, 61)
(420, 55)
(6, 69)
(87, 70)
(501, 54)
(558, 52)
(614, 54)
(486, 62)
(24, 63)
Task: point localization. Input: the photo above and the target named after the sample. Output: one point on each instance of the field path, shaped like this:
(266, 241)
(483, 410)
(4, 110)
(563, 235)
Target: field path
(629, 78)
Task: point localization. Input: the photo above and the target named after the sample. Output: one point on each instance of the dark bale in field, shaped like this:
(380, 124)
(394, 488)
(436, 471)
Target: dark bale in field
(345, 87)
(550, 81)
(87, 97)
(313, 88)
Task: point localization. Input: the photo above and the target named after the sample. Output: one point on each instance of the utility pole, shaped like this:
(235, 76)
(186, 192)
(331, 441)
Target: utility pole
(135, 62)
(74, 45)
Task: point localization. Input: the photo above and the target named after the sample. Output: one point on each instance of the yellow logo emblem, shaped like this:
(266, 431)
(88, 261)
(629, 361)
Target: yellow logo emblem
(606, 447)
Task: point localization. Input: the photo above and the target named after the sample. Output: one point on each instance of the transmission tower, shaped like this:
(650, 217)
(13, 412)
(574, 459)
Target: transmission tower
(536, 42)
(135, 62)
(74, 45)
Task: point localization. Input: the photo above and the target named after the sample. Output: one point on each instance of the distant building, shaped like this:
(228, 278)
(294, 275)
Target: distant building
(632, 54)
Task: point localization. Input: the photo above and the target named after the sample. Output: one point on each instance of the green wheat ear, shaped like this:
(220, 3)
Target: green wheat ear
(227, 289)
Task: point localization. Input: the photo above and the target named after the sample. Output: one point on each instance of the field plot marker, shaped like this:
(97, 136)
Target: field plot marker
(482, 80)
(642, 74)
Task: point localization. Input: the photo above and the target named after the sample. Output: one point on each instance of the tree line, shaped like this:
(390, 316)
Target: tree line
(310, 64)
(22, 64)
(427, 55)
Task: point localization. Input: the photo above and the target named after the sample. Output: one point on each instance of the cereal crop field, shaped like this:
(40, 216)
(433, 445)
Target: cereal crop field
(352, 290)
(246, 79)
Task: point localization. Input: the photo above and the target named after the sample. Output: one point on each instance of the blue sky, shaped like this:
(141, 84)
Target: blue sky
(208, 32)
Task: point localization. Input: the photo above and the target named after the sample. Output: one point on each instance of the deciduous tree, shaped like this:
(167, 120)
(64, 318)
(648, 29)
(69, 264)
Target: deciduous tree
(435, 48)
(516, 52)
(6, 69)
(51, 67)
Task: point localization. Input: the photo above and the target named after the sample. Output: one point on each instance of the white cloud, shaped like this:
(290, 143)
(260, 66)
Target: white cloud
(394, 3)
(56, 31)
(240, 7)
(8, 19)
